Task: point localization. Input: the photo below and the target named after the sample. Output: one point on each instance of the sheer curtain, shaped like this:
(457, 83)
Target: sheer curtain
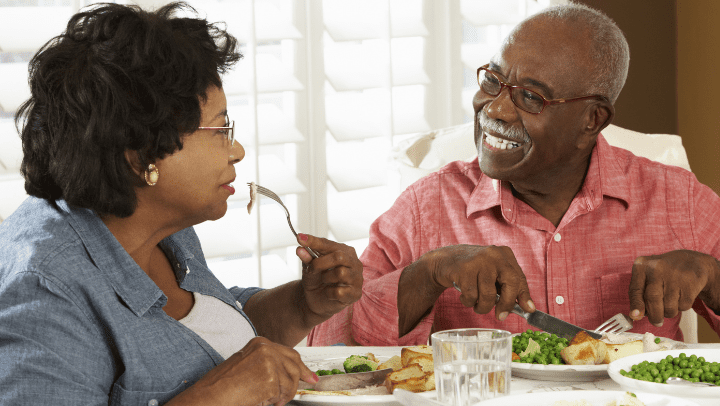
(327, 88)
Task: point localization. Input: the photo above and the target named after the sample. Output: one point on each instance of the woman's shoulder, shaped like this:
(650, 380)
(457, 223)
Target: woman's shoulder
(37, 236)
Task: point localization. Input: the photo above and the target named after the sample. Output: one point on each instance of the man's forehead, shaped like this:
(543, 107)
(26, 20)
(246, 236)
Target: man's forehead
(546, 52)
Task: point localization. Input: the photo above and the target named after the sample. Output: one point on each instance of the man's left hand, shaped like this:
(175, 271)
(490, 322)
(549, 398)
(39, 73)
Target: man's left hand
(663, 285)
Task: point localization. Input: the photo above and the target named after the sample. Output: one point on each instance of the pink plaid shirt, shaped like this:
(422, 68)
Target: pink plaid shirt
(580, 271)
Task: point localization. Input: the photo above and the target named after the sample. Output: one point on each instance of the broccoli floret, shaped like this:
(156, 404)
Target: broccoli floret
(359, 363)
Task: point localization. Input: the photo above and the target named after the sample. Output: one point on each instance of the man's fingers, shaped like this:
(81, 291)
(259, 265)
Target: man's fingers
(654, 306)
(637, 290)
(671, 302)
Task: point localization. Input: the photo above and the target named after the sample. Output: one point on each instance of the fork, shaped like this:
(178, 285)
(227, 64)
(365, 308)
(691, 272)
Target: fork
(616, 324)
(269, 193)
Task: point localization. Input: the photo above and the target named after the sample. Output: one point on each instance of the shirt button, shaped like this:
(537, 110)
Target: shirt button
(153, 402)
(187, 271)
(559, 299)
(557, 237)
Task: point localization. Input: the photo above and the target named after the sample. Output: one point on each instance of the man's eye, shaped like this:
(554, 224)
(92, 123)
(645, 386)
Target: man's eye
(531, 96)
(492, 80)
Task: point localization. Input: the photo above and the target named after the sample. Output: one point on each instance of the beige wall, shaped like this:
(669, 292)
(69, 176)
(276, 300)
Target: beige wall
(698, 84)
(674, 80)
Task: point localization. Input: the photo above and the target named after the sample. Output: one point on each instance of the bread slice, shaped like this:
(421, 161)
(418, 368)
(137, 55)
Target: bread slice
(425, 362)
(395, 363)
(617, 351)
(408, 353)
(411, 378)
(584, 350)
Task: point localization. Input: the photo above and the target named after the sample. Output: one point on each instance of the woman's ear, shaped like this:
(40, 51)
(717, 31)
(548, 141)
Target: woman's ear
(133, 160)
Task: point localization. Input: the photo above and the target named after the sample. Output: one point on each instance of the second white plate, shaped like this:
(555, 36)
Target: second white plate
(577, 373)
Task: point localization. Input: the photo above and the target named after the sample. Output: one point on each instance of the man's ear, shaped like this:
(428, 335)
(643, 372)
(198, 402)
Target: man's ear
(598, 116)
(133, 160)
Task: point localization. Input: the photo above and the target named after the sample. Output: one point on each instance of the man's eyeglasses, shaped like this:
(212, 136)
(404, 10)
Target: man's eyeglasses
(229, 130)
(525, 99)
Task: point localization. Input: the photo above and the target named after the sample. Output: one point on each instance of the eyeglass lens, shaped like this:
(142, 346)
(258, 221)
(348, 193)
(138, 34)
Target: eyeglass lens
(523, 98)
(231, 129)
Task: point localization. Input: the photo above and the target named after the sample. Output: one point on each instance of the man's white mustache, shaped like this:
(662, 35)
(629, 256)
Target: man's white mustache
(501, 128)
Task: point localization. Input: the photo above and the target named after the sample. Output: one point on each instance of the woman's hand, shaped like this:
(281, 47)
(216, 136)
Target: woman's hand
(262, 373)
(330, 282)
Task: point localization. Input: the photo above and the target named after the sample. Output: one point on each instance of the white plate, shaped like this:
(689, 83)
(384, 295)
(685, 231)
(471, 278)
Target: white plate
(630, 384)
(332, 357)
(594, 397)
(564, 372)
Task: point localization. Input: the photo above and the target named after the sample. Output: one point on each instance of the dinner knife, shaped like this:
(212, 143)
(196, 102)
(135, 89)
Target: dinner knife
(548, 323)
(355, 380)
(552, 324)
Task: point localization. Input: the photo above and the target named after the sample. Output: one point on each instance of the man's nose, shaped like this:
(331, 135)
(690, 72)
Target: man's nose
(501, 107)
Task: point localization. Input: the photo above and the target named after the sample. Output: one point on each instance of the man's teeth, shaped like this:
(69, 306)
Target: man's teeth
(500, 143)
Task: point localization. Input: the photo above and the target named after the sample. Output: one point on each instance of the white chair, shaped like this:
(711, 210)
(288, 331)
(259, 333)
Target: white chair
(428, 152)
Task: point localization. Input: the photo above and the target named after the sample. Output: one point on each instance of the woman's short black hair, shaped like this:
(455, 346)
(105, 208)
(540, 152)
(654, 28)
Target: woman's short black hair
(119, 78)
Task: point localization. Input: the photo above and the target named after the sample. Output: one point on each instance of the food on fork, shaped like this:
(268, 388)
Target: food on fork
(253, 196)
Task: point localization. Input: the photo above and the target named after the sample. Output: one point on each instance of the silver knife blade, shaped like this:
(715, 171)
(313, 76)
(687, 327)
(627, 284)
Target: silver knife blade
(547, 323)
(552, 324)
(351, 381)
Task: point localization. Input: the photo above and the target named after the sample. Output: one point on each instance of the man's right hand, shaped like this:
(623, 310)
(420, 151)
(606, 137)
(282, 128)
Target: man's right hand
(480, 273)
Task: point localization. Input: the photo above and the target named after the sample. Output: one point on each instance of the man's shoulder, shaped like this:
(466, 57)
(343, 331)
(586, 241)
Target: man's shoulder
(631, 164)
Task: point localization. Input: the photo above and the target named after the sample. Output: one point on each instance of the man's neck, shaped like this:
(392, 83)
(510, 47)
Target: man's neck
(551, 196)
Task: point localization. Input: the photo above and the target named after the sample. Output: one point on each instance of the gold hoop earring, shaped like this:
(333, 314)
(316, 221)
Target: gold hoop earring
(152, 174)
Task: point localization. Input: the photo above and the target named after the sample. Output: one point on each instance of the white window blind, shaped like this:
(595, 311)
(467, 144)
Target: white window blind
(327, 88)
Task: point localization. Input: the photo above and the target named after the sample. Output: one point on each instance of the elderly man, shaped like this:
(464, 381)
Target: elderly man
(550, 215)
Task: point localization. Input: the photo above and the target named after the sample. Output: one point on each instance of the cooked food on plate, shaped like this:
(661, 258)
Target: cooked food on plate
(542, 348)
(413, 370)
(691, 368)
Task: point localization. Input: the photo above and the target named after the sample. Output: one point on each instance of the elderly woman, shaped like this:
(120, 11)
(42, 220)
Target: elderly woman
(105, 295)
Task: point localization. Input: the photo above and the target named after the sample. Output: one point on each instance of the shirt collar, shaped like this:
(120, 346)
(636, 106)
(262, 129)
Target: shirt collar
(130, 282)
(604, 178)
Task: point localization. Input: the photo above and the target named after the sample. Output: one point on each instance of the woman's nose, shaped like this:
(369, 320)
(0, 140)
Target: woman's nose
(237, 152)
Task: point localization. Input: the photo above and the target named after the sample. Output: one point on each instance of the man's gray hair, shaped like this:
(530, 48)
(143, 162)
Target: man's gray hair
(608, 48)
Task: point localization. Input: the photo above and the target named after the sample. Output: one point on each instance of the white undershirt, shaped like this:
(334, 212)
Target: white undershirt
(219, 324)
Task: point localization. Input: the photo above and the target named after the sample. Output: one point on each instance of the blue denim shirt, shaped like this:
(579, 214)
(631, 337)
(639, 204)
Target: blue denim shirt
(82, 324)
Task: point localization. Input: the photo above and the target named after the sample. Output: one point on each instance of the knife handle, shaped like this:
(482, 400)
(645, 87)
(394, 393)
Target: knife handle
(517, 309)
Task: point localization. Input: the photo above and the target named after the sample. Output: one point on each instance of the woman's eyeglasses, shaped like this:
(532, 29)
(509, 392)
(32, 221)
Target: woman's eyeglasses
(228, 130)
(525, 99)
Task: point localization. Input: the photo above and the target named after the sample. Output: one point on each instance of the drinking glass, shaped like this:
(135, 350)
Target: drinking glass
(471, 365)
